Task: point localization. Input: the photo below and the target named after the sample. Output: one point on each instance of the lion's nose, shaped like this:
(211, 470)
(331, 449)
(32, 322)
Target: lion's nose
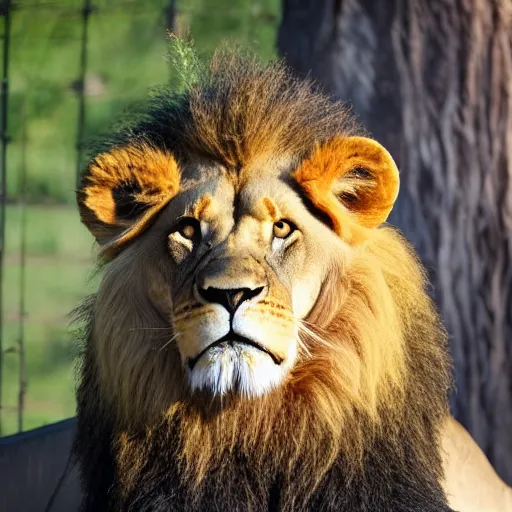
(230, 298)
(231, 281)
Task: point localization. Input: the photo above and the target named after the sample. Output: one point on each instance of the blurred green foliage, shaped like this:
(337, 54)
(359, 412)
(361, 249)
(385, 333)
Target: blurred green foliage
(126, 54)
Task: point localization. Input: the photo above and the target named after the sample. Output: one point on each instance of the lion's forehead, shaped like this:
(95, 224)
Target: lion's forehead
(213, 195)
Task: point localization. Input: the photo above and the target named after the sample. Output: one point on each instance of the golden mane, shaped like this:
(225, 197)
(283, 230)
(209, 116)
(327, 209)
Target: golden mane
(372, 324)
(372, 376)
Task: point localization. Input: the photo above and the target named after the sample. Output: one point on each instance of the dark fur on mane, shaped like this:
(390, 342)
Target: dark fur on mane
(237, 111)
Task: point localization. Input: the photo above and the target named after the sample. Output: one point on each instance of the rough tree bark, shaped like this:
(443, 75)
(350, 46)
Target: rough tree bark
(432, 80)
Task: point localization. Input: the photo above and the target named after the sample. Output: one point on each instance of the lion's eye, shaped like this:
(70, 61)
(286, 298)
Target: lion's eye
(283, 229)
(189, 228)
(188, 231)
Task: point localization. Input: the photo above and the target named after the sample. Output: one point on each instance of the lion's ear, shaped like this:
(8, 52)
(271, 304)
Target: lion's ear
(350, 177)
(121, 191)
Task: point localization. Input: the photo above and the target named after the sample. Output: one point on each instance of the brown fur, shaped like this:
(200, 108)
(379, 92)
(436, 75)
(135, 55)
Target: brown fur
(335, 399)
(262, 116)
(372, 368)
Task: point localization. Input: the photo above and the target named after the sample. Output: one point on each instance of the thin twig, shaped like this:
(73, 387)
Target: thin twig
(4, 96)
(22, 382)
(86, 12)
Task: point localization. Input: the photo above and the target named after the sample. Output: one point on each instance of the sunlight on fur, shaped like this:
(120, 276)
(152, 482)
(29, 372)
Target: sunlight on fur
(257, 327)
(344, 369)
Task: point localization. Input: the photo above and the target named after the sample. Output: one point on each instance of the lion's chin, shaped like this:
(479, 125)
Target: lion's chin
(237, 367)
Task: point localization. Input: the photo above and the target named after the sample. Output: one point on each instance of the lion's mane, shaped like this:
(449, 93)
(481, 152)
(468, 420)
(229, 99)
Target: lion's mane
(363, 404)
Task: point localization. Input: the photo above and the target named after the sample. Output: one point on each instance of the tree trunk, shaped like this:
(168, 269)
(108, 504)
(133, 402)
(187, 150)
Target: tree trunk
(432, 80)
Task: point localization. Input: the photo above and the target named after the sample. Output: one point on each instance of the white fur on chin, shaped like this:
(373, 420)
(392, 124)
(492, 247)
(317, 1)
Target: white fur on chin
(239, 368)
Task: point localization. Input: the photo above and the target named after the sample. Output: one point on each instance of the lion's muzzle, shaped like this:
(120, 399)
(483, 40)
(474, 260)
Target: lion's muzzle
(236, 334)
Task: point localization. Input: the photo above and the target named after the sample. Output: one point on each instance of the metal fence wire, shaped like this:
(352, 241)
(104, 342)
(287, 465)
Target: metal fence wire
(68, 68)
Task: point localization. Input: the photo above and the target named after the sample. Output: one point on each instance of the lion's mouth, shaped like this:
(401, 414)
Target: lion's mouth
(231, 338)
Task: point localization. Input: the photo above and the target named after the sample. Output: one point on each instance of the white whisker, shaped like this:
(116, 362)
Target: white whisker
(174, 337)
(313, 335)
(317, 327)
(304, 347)
(150, 329)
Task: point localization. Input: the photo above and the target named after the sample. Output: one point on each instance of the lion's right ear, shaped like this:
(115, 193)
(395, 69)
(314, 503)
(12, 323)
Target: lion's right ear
(122, 190)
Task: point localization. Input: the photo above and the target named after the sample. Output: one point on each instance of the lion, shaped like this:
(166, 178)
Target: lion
(260, 338)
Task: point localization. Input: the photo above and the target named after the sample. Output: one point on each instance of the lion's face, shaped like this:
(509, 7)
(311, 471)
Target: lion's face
(224, 266)
(247, 265)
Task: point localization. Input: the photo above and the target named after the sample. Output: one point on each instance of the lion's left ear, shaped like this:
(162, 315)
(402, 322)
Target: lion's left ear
(350, 177)
(122, 190)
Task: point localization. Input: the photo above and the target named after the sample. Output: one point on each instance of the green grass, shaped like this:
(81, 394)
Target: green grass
(126, 57)
(59, 260)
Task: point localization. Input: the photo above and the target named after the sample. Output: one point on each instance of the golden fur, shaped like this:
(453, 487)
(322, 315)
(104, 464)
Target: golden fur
(470, 482)
(351, 175)
(347, 378)
(371, 354)
(152, 179)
